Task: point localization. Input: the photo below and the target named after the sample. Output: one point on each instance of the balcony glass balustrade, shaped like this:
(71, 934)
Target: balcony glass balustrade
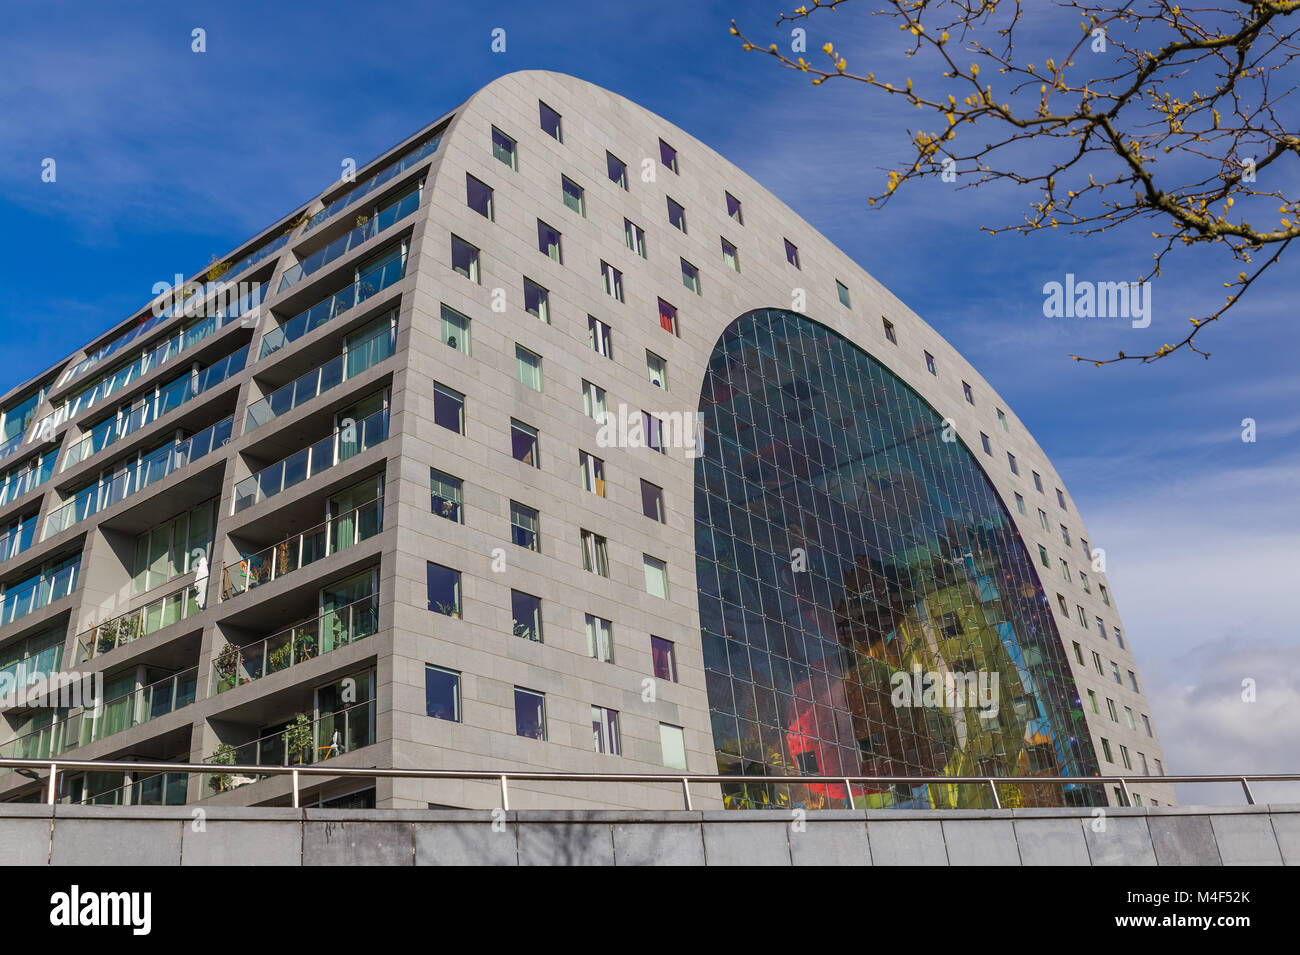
(17, 483)
(396, 210)
(387, 174)
(131, 626)
(52, 584)
(17, 538)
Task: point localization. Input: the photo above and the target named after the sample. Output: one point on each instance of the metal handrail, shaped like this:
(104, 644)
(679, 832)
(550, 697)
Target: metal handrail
(683, 779)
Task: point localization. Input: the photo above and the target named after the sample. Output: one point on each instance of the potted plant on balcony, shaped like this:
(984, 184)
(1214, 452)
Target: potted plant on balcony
(227, 666)
(304, 645)
(297, 739)
(223, 755)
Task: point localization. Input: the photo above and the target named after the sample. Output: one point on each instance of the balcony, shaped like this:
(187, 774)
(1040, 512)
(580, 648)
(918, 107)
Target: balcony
(334, 449)
(17, 538)
(236, 666)
(384, 216)
(17, 483)
(151, 470)
(317, 543)
(39, 592)
(131, 626)
(359, 357)
(386, 174)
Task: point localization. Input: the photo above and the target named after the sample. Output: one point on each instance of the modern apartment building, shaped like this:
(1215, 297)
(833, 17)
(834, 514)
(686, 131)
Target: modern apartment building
(550, 441)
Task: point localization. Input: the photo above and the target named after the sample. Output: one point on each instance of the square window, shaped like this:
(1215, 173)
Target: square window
(446, 496)
(1020, 504)
(652, 502)
(526, 616)
(592, 469)
(691, 277)
(1038, 483)
(617, 170)
(464, 258)
(634, 236)
(600, 639)
(967, 393)
(530, 713)
(890, 335)
(599, 337)
(672, 742)
(656, 576)
(528, 366)
(523, 443)
(455, 330)
(574, 196)
(604, 730)
(524, 527)
(730, 256)
(668, 156)
(1002, 420)
(843, 291)
(1011, 460)
(676, 214)
(548, 242)
(443, 589)
(656, 370)
(791, 253)
(663, 655)
(550, 121)
(537, 300)
(984, 442)
(503, 147)
(593, 401)
(442, 693)
(734, 210)
(448, 408)
(478, 196)
(930, 365)
(595, 556)
(667, 317)
(613, 280)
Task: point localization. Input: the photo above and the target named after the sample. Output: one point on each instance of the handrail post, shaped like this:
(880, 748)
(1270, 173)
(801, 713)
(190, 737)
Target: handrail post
(1250, 797)
(848, 792)
(686, 793)
(54, 775)
(505, 795)
(295, 788)
(993, 788)
(1123, 785)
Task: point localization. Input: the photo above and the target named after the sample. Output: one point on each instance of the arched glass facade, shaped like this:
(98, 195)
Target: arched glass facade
(866, 604)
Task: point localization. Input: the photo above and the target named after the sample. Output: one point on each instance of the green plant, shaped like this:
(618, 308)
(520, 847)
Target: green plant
(304, 645)
(298, 738)
(223, 755)
(227, 664)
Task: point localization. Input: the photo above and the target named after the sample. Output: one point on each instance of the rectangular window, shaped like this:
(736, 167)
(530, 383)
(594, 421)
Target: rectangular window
(1105, 748)
(550, 122)
(574, 195)
(656, 370)
(537, 301)
(691, 277)
(730, 256)
(1146, 724)
(1123, 752)
(1083, 615)
(464, 258)
(985, 444)
(599, 338)
(930, 365)
(667, 317)
(734, 210)
(843, 291)
(524, 529)
(1065, 570)
(1038, 483)
(1011, 460)
(1065, 609)
(676, 214)
(791, 253)
(1060, 499)
(1096, 662)
(663, 656)
(1142, 761)
(652, 501)
(967, 393)
(604, 730)
(1101, 627)
(530, 713)
(443, 589)
(1133, 681)
(503, 147)
(1020, 504)
(613, 280)
(1042, 556)
(1092, 701)
(600, 639)
(672, 741)
(455, 330)
(1083, 582)
(1128, 718)
(890, 336)
(1119, 638)
(617, 170)
(595, 557)
(1078, 652)
(1110, 709)
(478, 196)
(526, 616)
(656, 576)
(592, 469)
(1114, 671)
(1105, 597)
(1065, 535)
(1160, 769)
(442, 693)
(653, 429)
(634, 236)
(523, 444)
(446, 496)
(448, 408)
(548, 242)
(593, 401)
(528, 366)
(668, 156)
(1002, 420)
(1042, 518)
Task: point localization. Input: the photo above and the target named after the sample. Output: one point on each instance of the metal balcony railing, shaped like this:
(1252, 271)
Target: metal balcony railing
(36, 594)
(384, 216)
(131, 626)
(374, 182)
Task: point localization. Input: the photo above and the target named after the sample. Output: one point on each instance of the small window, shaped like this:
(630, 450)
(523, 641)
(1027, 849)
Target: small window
(1042, 518)
(1160, 769)
(442, 693)
(1083, 615)
(1114, 672)
(890, 336)
(455, 330)
(984, 442)
(593, 401)
(443, 589)
(1065, 535)
(730, 256)
(523, 443)
(1123, 752)
(595, 556)
(634, 236)
(1092, 700)
(1060, 499)
(526, 616)
(1083, 582)
(1105, 748)
(652, 502)
(464, 258)
(448, 408)
(1101, 627)
(792, 253)
(446, 496)
(503, 147)
(1078, 652)
(530, 713)
(550, 120)
(537, 300)
(1133, 681)
(656, 576)
(672, 742)
(613, 280)
(691, 277)
(548, 242)
(1119, 637)
(667, 317)
(528, 366)
(1111, 711)
(574, 196)
(1042, 556)
(1146, 724)
(1038, 483)
(967, 393)
(1065, 609)
(1002, 419)
(1105, 595)
(525, 531)
(1020, 504)
(676, 214)
(600, 639)
(1065, 570)
(599, 337)
(663, 655)
(653, 429)
(1128, 718)
(478, 196)
(929, 364)
(668, 156)
(734, 210)
(617, 170)
(843, 291)
(1011, 462)
(1096, 662)
(1086, 552)
(604, 731)
(656, 370)
(592, 470)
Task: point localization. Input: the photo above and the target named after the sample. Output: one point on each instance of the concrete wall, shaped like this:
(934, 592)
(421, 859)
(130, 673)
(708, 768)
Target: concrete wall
(81, 835)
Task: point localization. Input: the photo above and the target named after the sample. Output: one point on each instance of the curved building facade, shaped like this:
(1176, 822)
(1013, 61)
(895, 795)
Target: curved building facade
(551, 441)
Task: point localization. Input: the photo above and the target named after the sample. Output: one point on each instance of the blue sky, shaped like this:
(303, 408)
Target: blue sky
(167, 158)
